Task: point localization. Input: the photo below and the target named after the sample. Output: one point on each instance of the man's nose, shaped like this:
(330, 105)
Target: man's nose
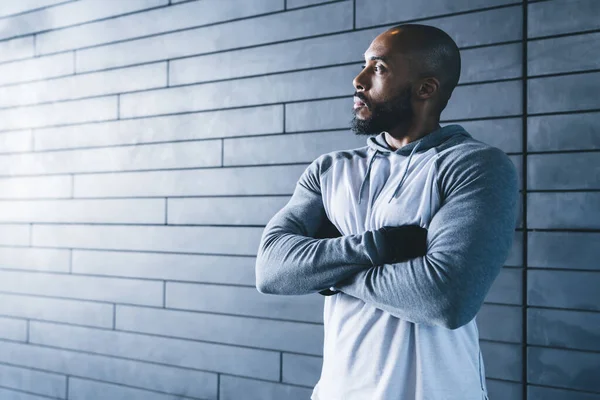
(360, 83)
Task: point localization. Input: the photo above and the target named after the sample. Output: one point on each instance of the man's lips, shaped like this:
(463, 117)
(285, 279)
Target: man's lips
(358, 103)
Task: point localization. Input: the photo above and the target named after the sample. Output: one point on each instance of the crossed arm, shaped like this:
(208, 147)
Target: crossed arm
(291, 260)
(468, 241)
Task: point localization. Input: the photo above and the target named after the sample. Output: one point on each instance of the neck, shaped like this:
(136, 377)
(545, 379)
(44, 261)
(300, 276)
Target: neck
(402, 135)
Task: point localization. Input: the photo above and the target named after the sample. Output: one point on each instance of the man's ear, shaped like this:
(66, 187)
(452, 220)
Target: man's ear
(428, 87)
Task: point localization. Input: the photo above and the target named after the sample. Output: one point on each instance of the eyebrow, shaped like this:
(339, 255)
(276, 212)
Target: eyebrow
(375, 58)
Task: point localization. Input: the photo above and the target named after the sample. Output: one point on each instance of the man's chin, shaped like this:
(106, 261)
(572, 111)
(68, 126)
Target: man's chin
(362, 126)
(362, 113)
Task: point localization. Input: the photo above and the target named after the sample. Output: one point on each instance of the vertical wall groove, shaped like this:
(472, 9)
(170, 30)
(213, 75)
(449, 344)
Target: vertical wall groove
(524, 200)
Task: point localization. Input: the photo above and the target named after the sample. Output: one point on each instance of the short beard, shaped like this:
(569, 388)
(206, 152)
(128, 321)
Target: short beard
(386, 116)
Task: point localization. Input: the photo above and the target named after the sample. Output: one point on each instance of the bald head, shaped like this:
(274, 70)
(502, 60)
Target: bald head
(430, 52)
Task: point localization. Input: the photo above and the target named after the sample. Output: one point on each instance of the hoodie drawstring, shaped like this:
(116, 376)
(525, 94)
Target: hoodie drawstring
(405, 172)
(366, 176)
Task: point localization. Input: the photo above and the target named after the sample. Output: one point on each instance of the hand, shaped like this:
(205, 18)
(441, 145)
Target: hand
(403, 242)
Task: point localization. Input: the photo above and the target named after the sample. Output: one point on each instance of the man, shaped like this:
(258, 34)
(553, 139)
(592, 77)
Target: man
(406, 234)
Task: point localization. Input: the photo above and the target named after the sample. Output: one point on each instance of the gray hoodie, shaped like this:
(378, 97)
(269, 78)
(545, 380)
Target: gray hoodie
(407, 330)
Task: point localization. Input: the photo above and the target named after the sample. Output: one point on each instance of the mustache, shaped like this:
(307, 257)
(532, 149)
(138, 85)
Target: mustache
(362, 98)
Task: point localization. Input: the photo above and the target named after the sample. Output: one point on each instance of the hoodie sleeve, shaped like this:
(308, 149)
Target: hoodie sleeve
(291, 261)
(468, 241)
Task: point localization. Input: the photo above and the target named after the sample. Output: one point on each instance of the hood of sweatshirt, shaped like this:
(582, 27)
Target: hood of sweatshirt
(378, 146)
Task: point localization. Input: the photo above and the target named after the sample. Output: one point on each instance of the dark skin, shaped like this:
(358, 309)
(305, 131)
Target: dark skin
(385, 74)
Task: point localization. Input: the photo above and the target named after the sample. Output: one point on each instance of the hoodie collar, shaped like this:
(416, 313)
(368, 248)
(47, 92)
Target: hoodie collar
(378, 144)
(428, 141)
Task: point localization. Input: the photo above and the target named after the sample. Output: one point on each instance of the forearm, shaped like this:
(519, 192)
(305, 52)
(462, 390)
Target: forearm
(292, 263)
(427, 290)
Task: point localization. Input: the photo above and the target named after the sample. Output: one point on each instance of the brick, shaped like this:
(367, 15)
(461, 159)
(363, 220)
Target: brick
(547, 133)
(35, 259)
(293, 86)
(225, 329)
(563, 54)
(205, 153)
(179, 267)
(176, 381)
(301, 370)
(491, 63)
(561, 328)
(577, 250)
(517, 160)
(503, 390)
(120, 290)
(548, 172)
(232, 388)
(545, 393)
(282, 57)
(18, 141)
(138, 211)
(507, 288)
(567, 210)
(505, 133)
(182, 353)
(184, 239)
(502, 360)
(510, 330)
(14, 395)
(26, 6)
(58, 310)
(85, 85)
(288, 148)
(69, 14)
(37, 68)
(269, 180)
(153, 22)
(205, 125)
(82, 389)
(35, 187)
(224, 210)
(563, 289)
(473, 101)
(12, 329)
(290, 25)
(562, 16)
(303, 3)
(318, 115)
(563, 368)
(16, 49)
(243, 301)
(563, 93)
(515, 257)
(336, 114)
(380, 12)
(61, 113)
(36, 382)
(15, 235)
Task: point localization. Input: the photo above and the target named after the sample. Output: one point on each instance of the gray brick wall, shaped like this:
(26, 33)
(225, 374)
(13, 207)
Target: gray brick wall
(144, 144)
